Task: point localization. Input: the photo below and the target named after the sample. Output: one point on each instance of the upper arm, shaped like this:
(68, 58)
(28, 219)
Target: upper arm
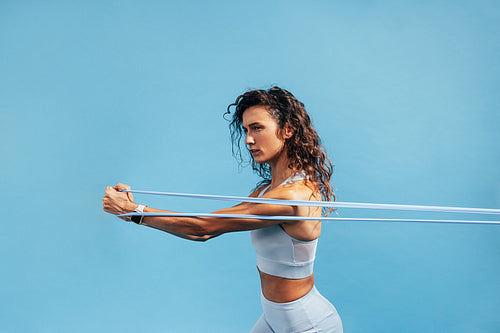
(223, 225)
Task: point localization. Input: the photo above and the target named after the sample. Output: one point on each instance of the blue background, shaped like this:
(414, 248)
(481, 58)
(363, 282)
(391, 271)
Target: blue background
(403, 94)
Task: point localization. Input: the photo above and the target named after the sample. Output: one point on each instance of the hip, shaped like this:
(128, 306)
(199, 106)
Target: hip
(310, 313)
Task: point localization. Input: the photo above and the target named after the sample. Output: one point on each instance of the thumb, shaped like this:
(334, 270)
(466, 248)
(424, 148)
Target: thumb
(121, 187)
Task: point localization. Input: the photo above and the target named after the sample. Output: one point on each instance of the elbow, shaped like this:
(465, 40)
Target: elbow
(204, 230)
(201, 233)
(196, 231)
(203, 238)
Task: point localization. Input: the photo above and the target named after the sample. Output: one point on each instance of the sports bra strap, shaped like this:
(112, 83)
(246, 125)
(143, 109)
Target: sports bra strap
(293, 178)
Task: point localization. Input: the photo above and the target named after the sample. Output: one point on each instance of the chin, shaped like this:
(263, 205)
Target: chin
(259, 160)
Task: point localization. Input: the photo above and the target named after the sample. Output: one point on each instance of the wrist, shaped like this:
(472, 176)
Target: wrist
(130, 207)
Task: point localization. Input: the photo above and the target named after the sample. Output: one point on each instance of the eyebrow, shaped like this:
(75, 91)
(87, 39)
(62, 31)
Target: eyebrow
(252, 124)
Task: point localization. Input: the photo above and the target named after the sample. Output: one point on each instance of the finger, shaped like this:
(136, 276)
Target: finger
(109, 189)
(121, 186)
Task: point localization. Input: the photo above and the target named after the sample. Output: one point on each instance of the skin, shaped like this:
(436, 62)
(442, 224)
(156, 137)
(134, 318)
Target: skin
(266, 144)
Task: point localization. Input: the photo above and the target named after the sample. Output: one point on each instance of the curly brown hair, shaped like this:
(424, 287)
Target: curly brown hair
(304, 148)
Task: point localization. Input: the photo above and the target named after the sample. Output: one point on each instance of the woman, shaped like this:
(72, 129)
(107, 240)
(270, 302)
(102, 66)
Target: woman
(287, 153)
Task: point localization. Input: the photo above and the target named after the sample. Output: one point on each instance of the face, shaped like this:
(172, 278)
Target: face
(261, 134)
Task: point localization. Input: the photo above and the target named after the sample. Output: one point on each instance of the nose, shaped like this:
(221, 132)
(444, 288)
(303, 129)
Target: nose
(249, 140)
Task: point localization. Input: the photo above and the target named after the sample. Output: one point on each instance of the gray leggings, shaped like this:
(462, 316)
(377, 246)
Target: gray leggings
(309, 314)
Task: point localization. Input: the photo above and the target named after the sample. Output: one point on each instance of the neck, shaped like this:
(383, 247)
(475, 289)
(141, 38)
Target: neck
(279, 169)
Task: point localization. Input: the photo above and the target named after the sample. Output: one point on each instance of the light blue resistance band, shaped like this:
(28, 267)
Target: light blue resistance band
(318, 204)
(306, 218)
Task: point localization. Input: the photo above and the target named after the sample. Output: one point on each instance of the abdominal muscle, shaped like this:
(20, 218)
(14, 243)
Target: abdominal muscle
(281, 290)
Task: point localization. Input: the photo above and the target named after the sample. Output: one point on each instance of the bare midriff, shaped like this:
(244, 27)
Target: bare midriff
(281, 290)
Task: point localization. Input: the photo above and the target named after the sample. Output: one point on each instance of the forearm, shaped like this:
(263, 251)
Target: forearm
(204, 228)
(192, 228)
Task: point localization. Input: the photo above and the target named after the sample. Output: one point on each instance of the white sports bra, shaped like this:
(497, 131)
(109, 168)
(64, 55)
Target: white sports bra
(278, 253)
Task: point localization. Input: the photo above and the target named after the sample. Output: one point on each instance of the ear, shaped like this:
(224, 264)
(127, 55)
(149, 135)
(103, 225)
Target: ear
(288, 131)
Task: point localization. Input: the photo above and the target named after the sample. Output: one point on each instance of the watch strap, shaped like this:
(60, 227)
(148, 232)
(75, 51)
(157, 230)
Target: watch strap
(138, 209)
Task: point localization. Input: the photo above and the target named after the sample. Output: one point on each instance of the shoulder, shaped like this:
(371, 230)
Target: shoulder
(299, 190)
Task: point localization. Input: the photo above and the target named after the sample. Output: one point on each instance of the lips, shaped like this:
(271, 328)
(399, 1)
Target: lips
(254, 151)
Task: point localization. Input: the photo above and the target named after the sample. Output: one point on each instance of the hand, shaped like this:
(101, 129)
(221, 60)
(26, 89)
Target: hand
(116, 202)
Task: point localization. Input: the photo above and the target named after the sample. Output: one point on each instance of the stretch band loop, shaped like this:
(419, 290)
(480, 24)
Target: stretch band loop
(306, 218)
(331, 204)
